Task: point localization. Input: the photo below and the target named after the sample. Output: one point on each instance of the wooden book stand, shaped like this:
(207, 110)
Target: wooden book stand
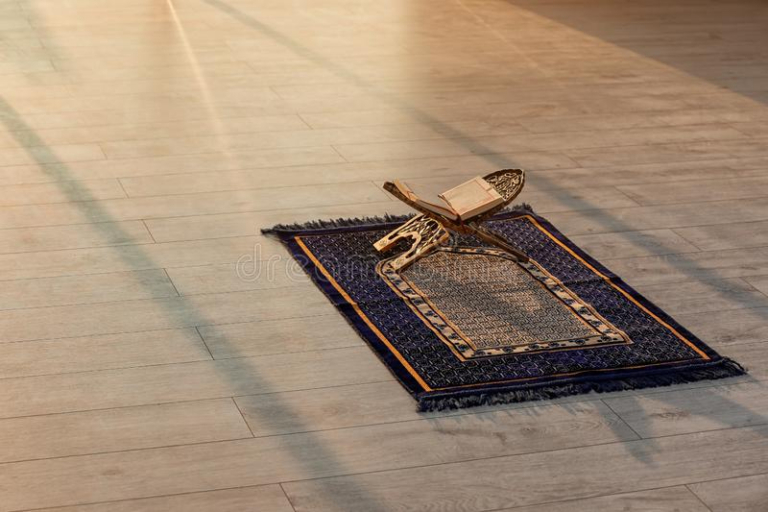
(431, 228)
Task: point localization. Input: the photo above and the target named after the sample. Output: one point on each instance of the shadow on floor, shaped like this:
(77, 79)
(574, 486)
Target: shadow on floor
(680, 35)
(321, 461)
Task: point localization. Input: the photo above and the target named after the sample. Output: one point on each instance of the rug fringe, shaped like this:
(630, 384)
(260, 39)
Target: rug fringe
(725, 368)
(335, 223)
(361, 221)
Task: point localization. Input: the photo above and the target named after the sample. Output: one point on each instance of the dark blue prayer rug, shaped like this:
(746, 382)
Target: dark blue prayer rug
(468, 325)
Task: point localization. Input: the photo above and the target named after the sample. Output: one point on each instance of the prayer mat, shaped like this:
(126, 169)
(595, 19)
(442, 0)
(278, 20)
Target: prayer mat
(469, 325)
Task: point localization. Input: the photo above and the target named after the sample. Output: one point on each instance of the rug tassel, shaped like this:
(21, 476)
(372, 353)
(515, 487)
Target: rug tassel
(725, 368)
(360, 221)
(335, 223)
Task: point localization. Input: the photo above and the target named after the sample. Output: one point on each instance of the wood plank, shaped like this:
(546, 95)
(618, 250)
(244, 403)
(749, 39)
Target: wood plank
(727, 236)
(704, 266)
(332, 408)
(101, 352)
(9, 68)
(634, 244)
(677, 499)
(733, 326)
(241, 276)
(694, 410)
(73, 236)
(758, 282)
(129, 428)
(485, 484)
(161, 313)
(58, 291)
(190, 381)
(550, 124)
(45, 155)
(630, 174)
(752, 129)
(346, 119)
(62, 192)
(239, 463)
(126, 258)
(691, 192)
(112, 210)
(746, 494)
(659, 217)
(704, 296)
(279, 336)
(124, 132)
(166, 108)
(667, 152)
(267, 498)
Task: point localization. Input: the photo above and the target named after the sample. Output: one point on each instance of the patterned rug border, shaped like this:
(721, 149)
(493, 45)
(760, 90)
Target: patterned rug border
(717, 367)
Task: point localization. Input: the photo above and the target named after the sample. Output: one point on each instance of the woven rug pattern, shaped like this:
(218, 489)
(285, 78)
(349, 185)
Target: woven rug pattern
(467, 325)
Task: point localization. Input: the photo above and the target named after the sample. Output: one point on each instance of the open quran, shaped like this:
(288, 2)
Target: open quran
(462, 209)
(461, 203)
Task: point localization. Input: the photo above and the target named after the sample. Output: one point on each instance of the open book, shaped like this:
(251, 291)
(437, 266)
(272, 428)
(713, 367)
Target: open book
(471, 198)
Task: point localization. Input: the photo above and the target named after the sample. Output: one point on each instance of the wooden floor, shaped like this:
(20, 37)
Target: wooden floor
(159, 355)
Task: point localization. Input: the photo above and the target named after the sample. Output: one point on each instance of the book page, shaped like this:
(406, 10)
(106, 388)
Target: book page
(472, 198)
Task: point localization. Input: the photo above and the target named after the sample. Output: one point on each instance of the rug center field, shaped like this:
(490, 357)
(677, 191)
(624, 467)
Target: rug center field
(483, 303)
